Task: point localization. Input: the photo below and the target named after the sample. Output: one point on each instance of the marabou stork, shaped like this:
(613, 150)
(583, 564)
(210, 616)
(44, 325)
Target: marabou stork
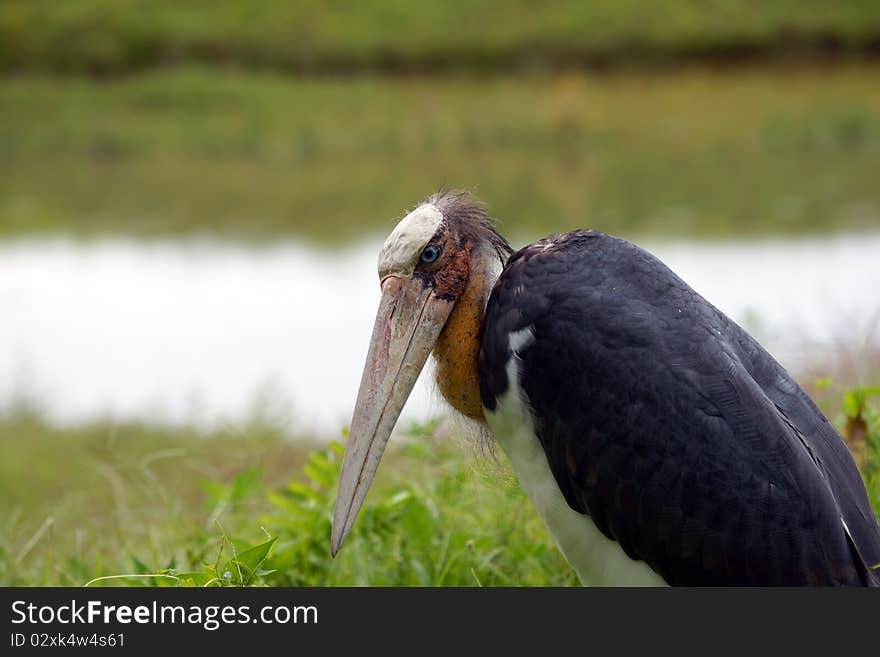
(655, 437)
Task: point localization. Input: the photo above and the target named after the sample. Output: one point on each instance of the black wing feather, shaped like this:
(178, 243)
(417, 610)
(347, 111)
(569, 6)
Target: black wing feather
(673, 428)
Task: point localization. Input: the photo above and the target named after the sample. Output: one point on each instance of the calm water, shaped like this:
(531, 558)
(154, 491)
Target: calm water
(207, 332)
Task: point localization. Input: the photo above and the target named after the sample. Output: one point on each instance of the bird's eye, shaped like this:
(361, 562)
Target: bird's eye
(430, 254)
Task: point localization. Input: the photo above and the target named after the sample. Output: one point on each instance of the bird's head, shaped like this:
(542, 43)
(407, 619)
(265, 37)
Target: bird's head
(425, 267)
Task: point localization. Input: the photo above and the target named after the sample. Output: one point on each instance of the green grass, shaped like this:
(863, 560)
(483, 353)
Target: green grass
(101, 499)
(111, 36)
(134, 505)
(237, 154)
(171, 506)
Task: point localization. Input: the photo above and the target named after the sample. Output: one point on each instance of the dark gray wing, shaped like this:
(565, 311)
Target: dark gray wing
(670, 426)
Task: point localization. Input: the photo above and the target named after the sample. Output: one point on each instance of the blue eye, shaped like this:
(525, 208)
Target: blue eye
(430, 254)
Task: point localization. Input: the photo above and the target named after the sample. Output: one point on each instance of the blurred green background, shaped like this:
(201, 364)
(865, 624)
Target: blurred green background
(256, 123)
(326, 119)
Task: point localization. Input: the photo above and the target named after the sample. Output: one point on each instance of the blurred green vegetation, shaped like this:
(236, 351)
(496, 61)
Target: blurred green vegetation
(113, 36)
(694, 152)
(139, 505)
(172, 506)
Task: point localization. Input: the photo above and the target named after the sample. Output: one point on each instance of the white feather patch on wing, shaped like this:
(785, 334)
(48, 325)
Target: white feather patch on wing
(521, 340)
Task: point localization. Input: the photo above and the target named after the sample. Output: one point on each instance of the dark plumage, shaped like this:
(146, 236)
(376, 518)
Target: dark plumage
(670, 426)
(636, 407)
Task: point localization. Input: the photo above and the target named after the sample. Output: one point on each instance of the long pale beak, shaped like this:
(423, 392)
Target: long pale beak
(408, 323)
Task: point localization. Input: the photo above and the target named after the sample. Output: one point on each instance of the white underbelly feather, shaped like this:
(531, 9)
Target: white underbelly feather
(597, 560)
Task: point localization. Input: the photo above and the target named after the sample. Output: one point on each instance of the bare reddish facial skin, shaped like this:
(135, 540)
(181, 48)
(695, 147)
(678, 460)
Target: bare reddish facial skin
(451, 278)
(458, 346)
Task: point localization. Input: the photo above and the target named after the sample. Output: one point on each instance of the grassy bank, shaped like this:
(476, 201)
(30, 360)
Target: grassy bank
(248, 505)
(259, 155)
(113, 36)
(102, 500)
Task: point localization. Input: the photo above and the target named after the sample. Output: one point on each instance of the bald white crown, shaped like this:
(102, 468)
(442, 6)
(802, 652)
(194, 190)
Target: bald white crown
(401, 251)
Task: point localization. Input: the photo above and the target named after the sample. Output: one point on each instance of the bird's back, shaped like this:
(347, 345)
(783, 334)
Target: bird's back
(670, 426)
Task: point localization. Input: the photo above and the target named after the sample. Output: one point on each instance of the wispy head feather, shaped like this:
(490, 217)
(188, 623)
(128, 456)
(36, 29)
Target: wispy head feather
(471, 219)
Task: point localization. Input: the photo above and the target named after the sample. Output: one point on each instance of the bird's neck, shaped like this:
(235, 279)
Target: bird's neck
(458, 346)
